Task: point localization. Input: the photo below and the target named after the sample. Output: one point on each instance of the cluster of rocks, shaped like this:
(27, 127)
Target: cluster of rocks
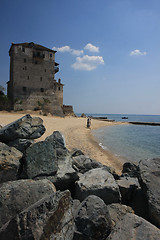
(47, 192)
(83, 115)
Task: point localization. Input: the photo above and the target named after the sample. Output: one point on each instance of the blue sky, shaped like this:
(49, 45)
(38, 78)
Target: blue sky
(108, 50)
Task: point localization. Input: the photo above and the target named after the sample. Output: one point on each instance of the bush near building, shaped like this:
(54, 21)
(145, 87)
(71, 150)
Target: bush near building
(4, 101)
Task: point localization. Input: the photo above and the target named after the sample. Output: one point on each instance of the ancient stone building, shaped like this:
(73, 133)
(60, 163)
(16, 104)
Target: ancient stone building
(32, 83)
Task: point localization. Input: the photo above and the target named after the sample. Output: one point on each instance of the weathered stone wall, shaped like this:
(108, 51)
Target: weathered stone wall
(47, 102)
(59, 92)
(68, 110)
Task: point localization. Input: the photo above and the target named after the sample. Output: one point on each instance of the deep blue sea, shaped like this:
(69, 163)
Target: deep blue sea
(130, 142)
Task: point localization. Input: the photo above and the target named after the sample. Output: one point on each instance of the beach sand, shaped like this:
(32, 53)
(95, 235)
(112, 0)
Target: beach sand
(76, 134)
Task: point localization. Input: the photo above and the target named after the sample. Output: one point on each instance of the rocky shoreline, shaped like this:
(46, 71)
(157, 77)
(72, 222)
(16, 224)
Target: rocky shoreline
(48, 192)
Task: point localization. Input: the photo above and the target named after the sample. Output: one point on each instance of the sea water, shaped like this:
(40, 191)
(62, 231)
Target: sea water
(130, 142)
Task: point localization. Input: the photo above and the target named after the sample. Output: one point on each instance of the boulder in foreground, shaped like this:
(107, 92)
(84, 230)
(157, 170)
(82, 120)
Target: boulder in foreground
(24, 128)
(15, 196)
(82, 163)
(9, 163)
(117, 211)
(150, 183)
(58, 142)
(92, 220)
(50, 218)
(98, 182)
(133, 227)
(21, 144)
(40, 160)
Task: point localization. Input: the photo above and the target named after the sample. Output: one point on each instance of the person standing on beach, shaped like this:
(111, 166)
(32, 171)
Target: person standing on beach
(88, 122)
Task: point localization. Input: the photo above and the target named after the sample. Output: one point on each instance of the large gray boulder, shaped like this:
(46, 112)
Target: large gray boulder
(98, 182)
(57, 138)
(127, 186)
(83, 163)
(25, 128)
(139, 204)
(21, 144)
(131, 227)
(15, 196)
(130, 170)
(92, 220)
(50, 218)
(117, 211)
(9, 163)
(76, 152)
(65, 177)
(150, 183)
(132, 195)
(51, 160)
(40, 160)
(58, 142)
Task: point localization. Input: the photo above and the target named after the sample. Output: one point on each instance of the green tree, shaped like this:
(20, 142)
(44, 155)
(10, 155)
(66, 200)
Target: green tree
(2, 89)
(4, 101)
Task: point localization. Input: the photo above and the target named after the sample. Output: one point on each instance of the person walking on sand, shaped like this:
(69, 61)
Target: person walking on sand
(88, 123)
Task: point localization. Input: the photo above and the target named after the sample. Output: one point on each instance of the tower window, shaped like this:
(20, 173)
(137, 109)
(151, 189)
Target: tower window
(36, 62)
(23, 49)
(50, 54)
(24, 89)
(45, 70)
(25, 60)
(28, 77)
(42, 89)
(59, 88)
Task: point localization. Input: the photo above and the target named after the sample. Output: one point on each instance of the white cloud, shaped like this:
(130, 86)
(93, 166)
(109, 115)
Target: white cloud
(87, 63)
(77, 52)
(68, 49)
(91, 48)
(62, 49)
(137, 52)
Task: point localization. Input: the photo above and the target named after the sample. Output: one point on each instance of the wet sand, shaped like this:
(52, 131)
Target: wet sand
(76, 134)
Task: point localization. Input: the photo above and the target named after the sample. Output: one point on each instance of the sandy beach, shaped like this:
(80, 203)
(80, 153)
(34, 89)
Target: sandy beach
(76, 134)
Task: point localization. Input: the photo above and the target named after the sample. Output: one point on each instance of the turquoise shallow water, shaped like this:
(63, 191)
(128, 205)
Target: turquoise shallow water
(131, 142)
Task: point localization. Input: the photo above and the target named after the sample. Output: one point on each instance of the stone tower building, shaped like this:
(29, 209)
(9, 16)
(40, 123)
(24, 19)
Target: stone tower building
(32, 82)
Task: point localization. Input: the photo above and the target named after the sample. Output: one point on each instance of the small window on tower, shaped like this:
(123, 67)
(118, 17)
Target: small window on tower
(42, 89)
(24, 89)
(40, 78)
(28, 77)
(23, 49)
(25, 60)
(45, 70)
(50, 54)
(59, 88)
